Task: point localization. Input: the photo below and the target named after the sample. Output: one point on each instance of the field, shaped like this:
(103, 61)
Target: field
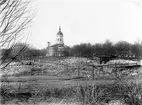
(65, 81)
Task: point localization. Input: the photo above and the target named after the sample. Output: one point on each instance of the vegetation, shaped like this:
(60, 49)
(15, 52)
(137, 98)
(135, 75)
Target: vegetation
(14, 18)
(27, 53)
(129, 93)
(84, 94)
(34, 89)
(121, 49)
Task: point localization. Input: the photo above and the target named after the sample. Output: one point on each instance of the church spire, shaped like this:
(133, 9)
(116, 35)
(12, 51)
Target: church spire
(59, 28)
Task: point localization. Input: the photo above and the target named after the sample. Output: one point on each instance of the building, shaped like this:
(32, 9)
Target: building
(58, 49)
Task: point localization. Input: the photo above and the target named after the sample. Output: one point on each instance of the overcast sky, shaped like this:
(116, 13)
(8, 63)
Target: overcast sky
(86, 21)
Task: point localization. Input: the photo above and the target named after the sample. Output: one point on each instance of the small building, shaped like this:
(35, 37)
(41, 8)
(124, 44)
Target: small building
(104, 58)
(58, 49)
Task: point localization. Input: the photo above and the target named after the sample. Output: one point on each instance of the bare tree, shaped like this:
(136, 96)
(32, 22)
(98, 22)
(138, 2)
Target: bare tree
(14, 18)
(15, 15)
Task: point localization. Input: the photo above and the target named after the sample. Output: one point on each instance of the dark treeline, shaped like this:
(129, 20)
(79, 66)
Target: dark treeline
(22, 51)
(121, 49)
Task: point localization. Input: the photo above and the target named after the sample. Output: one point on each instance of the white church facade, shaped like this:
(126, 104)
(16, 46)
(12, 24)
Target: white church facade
(59, 48)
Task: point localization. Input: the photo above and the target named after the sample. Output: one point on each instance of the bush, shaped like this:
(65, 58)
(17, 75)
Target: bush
(128, 93)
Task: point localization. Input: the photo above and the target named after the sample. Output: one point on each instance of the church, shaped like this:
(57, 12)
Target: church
(58, 49)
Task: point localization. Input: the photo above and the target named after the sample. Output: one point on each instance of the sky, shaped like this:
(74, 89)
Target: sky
(86, 21)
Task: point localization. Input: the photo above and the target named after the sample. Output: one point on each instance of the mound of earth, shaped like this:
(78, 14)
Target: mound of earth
(65, 67)
(74, 64)
(122, 61)
(77, 60)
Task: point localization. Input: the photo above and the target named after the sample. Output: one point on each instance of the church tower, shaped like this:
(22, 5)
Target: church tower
(59, 38)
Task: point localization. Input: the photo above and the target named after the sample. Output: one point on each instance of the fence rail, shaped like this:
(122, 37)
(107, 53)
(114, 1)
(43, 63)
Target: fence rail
(116, 68)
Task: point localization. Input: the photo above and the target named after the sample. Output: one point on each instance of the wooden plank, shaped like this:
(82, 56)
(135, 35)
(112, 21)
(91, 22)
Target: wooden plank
(115, 65)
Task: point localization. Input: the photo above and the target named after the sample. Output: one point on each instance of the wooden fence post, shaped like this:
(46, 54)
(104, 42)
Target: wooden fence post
(78, 71)
(93, 76)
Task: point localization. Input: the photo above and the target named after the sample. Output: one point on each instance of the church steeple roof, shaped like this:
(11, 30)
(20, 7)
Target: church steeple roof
(59, 28)
(60, 33)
